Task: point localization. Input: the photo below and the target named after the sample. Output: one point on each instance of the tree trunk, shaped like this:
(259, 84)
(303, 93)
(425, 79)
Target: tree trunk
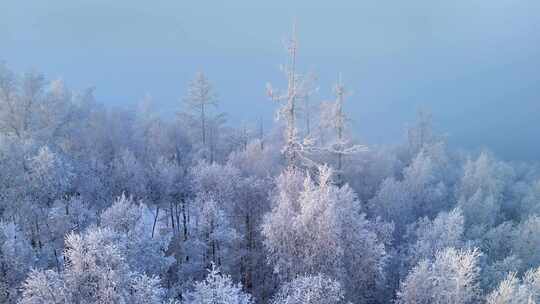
(155, 221)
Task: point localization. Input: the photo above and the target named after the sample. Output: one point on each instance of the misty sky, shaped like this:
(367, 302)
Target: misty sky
(474, 63)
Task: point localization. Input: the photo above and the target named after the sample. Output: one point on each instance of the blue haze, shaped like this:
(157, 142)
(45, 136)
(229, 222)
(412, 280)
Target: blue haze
(474, 63)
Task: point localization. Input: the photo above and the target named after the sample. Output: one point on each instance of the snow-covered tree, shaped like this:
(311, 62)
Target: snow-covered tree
(20, 99)
(421, 134)
(146, 290)
(512, 290)
(199, 99)
(205, 219)
(58, 115)
(210, 240)
(254, 161)
(497, 242)
(318, 227)
(496, 272)
(481, 189)
(279, 239)
(429, 237)
(128, 175)
(16, 259)
(418, 194)
(95, 272)
(133, 224)
(50, 176)
(306, 103)
(216, 233)
(334, 117)
(530, 203)
(212, 181)
(217, 288)
(44, 287)
(66, 215)
(250, 204)
(311, 289)
(9, 107)
(526, 241)
(452, 277)
(298, 87)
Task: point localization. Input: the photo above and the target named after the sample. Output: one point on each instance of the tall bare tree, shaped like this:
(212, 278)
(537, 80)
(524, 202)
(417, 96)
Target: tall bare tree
(200, 97)
(334, 117)
(297, 90)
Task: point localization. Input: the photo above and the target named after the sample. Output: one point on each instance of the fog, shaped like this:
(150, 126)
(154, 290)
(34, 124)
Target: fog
(473, 64)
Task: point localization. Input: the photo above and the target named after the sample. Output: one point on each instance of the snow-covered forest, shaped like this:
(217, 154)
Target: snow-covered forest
(103, 205)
